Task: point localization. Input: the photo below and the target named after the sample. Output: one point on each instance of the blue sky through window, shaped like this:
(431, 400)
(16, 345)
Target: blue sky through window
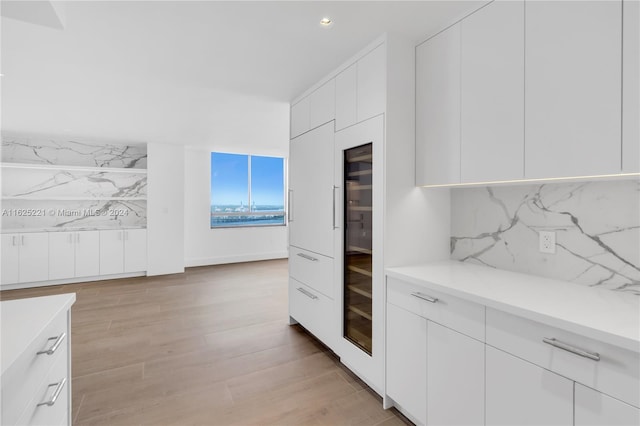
(229, 179)
(233, 204)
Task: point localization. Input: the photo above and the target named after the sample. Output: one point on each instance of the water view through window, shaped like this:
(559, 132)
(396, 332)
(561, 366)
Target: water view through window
(246, 190)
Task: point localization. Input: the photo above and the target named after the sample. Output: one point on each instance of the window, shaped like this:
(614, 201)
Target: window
(246, 190)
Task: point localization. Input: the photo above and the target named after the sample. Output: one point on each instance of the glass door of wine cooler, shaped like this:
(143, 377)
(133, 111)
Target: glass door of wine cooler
(358, 277)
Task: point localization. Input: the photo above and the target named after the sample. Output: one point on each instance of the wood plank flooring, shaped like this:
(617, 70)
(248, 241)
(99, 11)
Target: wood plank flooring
(208, 347)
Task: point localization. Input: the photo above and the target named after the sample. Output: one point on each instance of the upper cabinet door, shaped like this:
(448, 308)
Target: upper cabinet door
(346, 101)
(573, 88)
(371, 76)
(322, 104)
(438, 109)
(492, 139)
(300, 117)
(631, 87)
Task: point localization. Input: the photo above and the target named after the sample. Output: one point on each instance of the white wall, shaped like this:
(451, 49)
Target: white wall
(205, 246)
(165, 209)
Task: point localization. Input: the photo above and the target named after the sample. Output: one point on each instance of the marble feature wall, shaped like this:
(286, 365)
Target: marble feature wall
(42, 183)
(597, 227)
(50, 184)
(31, 150)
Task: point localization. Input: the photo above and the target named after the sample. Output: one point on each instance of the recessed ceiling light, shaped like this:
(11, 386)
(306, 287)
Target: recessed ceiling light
(326, 22)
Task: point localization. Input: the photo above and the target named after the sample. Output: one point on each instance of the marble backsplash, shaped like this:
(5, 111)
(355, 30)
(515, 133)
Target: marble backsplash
(50, 183)
(64, 151)
(597, 226)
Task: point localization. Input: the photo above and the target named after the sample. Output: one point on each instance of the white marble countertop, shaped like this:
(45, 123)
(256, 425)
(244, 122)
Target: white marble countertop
(67, 229)
(23, 320)
(605, 315)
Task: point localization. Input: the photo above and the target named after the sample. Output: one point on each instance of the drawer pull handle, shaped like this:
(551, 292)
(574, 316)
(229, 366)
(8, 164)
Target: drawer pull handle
(561, 345)
(425, 297)
(306, 256)
(56, 393)
(55, 345)
(307, 293)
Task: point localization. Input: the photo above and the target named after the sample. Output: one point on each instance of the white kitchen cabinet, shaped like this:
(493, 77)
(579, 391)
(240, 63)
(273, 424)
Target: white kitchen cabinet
(313, 311)
(573, 88)
(346, 98)
(74, 254)
(322, 104)
(111, 252)
(492, 79)
(62, 255)
(36, 354)
(300, 117)
(455, 377)
(34, 257)
(123, 251)
(314, 110)
(10, 259)
(593, 408)
(631, 86)
(371, 92)
(438, 109)
(407, 362)
(135, 250)
(521, 393)
(87, 253)
(311, 191)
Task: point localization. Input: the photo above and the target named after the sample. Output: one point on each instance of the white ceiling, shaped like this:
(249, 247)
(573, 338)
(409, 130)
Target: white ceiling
(204, 72)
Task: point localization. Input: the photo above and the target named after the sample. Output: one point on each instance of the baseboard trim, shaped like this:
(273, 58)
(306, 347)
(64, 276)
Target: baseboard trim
(71, 281)
(236, 259)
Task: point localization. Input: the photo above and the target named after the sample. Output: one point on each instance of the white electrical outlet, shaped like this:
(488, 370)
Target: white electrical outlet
(547, 242)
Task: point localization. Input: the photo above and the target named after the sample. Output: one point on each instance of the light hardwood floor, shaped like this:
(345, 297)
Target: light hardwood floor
(210, 347)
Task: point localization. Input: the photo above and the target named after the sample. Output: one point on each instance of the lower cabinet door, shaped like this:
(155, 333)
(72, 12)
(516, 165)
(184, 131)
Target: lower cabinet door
(87, 253)
(521, 393)
(34, 257)
(455, 377)
(62, 261)
(407, 362)
(10, 259)
(135, 250)
(111, 252)
(595, 408)
(313, 311)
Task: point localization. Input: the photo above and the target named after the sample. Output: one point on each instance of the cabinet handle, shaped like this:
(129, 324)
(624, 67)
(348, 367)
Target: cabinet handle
(307, 293)
(56, 393)
(21, 240)
(77, 237)
(126, 235)
(306, 256)
(13, 240)
(70, 238)
(564, 346)
(120, 235)
(424, 297)
(289, 212)
(333, 194)
(55, 345)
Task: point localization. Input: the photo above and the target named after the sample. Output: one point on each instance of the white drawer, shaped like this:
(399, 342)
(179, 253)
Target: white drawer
(47, 415)
(457, 314)
(312, 269)
(20, 382)
(313, 311)
(617, 373)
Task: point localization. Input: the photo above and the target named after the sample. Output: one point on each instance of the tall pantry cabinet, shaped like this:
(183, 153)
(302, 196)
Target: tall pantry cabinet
(352, 186)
